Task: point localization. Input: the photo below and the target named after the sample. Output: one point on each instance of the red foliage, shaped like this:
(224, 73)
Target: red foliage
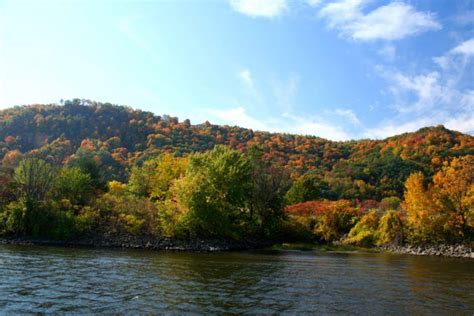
(367, 205)
(318, 207)
(310, 208)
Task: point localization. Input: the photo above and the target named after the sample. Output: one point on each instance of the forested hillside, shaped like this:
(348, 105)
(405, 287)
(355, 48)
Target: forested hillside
(119, 137)
(98, 162)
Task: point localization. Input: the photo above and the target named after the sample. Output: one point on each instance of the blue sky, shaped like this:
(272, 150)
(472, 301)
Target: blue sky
(344, 69)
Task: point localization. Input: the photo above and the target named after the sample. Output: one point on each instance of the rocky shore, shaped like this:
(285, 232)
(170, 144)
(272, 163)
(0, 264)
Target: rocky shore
(443, 250)
(136, 242)
(209, 245)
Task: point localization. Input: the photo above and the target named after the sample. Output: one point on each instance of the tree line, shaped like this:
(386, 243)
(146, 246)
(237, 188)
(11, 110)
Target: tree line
(224, 193)
(84, 166)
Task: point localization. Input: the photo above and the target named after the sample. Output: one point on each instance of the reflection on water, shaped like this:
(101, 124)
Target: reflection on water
(48, 279)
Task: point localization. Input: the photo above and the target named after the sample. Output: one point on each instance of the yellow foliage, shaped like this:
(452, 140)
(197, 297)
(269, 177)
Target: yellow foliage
(445, 209)
(422, 214)
(117, 188)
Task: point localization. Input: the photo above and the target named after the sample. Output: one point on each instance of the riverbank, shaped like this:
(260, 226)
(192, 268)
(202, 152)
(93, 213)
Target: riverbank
(211, 245)
(139, 242)
(456, 251)
(443, 250)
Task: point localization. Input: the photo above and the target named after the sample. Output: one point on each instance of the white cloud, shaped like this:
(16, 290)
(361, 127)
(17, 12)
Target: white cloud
(443, 61)
(430, 98)
(237, 116)
(394, 21)
(465, 48)
(314, 3)
(260, 8)
(341, 13)
(314, 126)
(388, 52)
(284, 123)
(463, 122)
(246, 76)
(392, 128)
(348, 115)
(426, 88)
(450, 60)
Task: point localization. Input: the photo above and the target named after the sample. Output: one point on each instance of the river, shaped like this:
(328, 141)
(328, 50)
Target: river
(38, 279)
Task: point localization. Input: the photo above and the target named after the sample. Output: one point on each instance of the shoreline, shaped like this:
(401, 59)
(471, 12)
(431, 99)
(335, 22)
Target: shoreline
(442, 250)
(216, 245)
(134, 242)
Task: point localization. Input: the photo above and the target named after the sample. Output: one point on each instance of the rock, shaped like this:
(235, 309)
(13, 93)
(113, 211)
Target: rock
(458, 251)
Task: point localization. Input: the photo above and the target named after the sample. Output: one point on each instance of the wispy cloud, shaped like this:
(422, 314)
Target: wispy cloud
(260, 8)
(465, 48)
(308, 125)
(394, 21)
(388, 52)
(246, 77)
(286, 123)
(349, 115)
(430, 98)
(465, 18)
(237, 116)
(314, 3)
(450, 60)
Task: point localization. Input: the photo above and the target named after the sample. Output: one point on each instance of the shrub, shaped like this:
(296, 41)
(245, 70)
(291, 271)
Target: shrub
(364, 233)
(336, 221)
(390, 230)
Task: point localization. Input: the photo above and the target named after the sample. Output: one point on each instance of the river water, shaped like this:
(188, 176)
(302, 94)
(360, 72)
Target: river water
(67, 280)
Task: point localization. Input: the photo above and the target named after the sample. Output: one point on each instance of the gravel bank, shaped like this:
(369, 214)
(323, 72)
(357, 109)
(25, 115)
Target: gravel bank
(457, 251)
(135, 242)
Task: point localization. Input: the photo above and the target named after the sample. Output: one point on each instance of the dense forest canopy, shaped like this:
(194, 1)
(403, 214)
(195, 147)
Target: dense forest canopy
(119, 137)
(83, 165)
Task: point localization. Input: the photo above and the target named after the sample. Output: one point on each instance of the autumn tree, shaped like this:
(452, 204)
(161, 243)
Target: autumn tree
(423, 218)
(214, 194)
(34, 178)
(453, 195)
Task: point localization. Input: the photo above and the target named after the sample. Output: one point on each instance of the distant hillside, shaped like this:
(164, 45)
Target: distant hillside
(119, 137)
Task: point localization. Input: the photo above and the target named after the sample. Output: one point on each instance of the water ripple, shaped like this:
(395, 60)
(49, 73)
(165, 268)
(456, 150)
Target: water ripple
(64, 280)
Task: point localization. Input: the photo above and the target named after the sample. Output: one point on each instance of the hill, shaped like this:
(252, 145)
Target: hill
(96, 170)
(119, 137)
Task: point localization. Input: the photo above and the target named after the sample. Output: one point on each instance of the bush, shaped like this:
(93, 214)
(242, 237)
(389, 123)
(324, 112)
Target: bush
(364, 233)
(120, 211)
(212, 198)
(336, 221)
(390, 230)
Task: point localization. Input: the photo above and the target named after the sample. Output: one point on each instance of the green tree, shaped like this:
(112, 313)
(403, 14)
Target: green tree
(140, 181)
(308, 187)
(84, 160)
(269, 185)
(34, 178)
(213, 197)
(30, 215)
(74, 185)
